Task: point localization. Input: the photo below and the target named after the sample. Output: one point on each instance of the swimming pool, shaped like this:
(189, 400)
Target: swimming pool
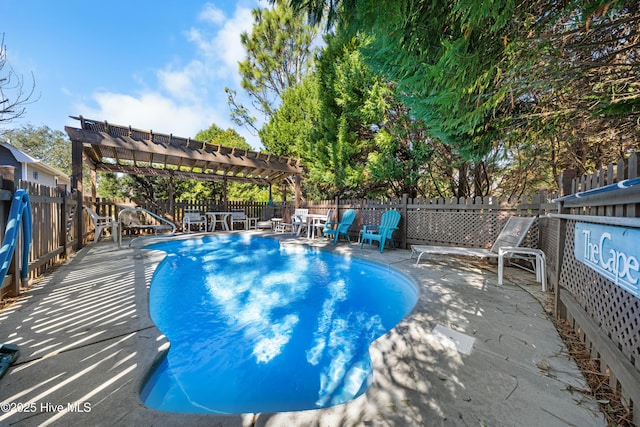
(259, 327)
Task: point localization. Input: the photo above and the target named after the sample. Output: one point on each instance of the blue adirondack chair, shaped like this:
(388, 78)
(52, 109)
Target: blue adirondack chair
(388, 224)
(341, 228)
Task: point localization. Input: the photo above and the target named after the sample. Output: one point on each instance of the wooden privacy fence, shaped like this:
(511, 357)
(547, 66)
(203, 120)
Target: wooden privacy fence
(50, 208)
(110, 207)
(473, 222)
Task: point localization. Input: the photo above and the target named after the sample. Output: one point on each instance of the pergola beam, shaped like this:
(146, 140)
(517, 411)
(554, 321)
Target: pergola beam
(151, 171)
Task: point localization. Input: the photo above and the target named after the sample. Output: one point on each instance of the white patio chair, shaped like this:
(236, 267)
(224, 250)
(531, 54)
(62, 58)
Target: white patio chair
(193, 217)
(101, 223)
(299, 220)
(320, 224)
(507, 244)
(238, 216)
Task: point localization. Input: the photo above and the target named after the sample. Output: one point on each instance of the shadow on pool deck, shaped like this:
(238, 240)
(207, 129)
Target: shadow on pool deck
(87, 342)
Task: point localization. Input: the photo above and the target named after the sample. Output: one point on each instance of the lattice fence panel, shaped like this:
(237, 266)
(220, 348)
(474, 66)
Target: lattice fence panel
(549, 242)
(470, 229)
(616, 311)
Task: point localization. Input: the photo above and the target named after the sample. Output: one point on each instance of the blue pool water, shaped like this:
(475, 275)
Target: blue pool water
(259, 327)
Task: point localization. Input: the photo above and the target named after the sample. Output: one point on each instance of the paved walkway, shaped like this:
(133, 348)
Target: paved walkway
(87, 343)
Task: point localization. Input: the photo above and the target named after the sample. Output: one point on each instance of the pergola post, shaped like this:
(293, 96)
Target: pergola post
(225, 201)
(94, 184)
(172, 205)
(284, 192)
(298, 195)
(76, 188)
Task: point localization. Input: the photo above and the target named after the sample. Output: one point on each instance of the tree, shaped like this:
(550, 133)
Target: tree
(580, 95)
(52, 147)
(402, 153)
(291, 127)
(235, 190)
(351, 103)
(14, 96)
(366, 141)
(279, 54)
(353, 134)
(227, 138)
(499, 81)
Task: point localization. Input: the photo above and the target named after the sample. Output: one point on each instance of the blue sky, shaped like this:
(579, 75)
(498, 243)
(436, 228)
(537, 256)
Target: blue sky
(152, 65)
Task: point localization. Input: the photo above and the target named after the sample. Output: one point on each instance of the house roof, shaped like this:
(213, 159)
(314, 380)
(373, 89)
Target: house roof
(23, 157)
(116, 148)
(20, 156)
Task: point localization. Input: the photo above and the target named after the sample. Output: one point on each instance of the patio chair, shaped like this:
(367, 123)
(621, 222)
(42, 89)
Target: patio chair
(101, 223)
(383, 232)
(342, 227)
(299, 220)
(193, 217)
(322, 224)
(238, 216)
(507, 244)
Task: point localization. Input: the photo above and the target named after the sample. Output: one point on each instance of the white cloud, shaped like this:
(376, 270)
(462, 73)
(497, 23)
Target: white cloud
(190, 97)
(152, 111)
(210, 13)
(222, 51)
(183, 84)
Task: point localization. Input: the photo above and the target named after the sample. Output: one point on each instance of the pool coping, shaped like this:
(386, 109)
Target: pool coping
(417, 380)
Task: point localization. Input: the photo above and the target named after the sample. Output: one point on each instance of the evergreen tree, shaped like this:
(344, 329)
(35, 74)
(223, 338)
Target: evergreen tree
(279, 55)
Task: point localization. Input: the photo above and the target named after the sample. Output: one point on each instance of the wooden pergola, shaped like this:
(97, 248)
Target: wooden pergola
(114, 148)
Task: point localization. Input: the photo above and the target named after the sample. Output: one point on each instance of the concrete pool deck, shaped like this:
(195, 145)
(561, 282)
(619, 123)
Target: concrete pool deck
(87, 342)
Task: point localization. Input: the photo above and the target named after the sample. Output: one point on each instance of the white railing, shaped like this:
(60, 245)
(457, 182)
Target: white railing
(168, 225)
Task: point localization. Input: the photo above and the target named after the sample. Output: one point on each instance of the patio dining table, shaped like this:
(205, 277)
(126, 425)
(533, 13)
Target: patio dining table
(310, 221)
(221, 218)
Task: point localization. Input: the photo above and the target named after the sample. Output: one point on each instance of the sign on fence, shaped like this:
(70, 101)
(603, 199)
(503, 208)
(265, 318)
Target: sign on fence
(614, 252)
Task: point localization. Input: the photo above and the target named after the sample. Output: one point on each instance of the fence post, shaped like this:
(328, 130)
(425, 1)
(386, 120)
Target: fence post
(62, 192)
(297, 198)
(558, 311)
(634, 171)
(564, 184)
(77, 191)
(405, 223)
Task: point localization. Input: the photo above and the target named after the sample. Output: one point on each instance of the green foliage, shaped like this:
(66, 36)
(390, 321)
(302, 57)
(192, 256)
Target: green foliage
(366, 142)
(150, 188)
(199, 190)
(502, 80)
(291, 127)
(347, 90)
(51, 146)
(227, 138)
(397, 165)
(279, 55)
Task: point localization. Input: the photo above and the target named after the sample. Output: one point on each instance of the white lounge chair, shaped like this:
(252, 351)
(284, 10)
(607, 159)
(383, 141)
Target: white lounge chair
(193, 217)
(507, 244)
(101, 223)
